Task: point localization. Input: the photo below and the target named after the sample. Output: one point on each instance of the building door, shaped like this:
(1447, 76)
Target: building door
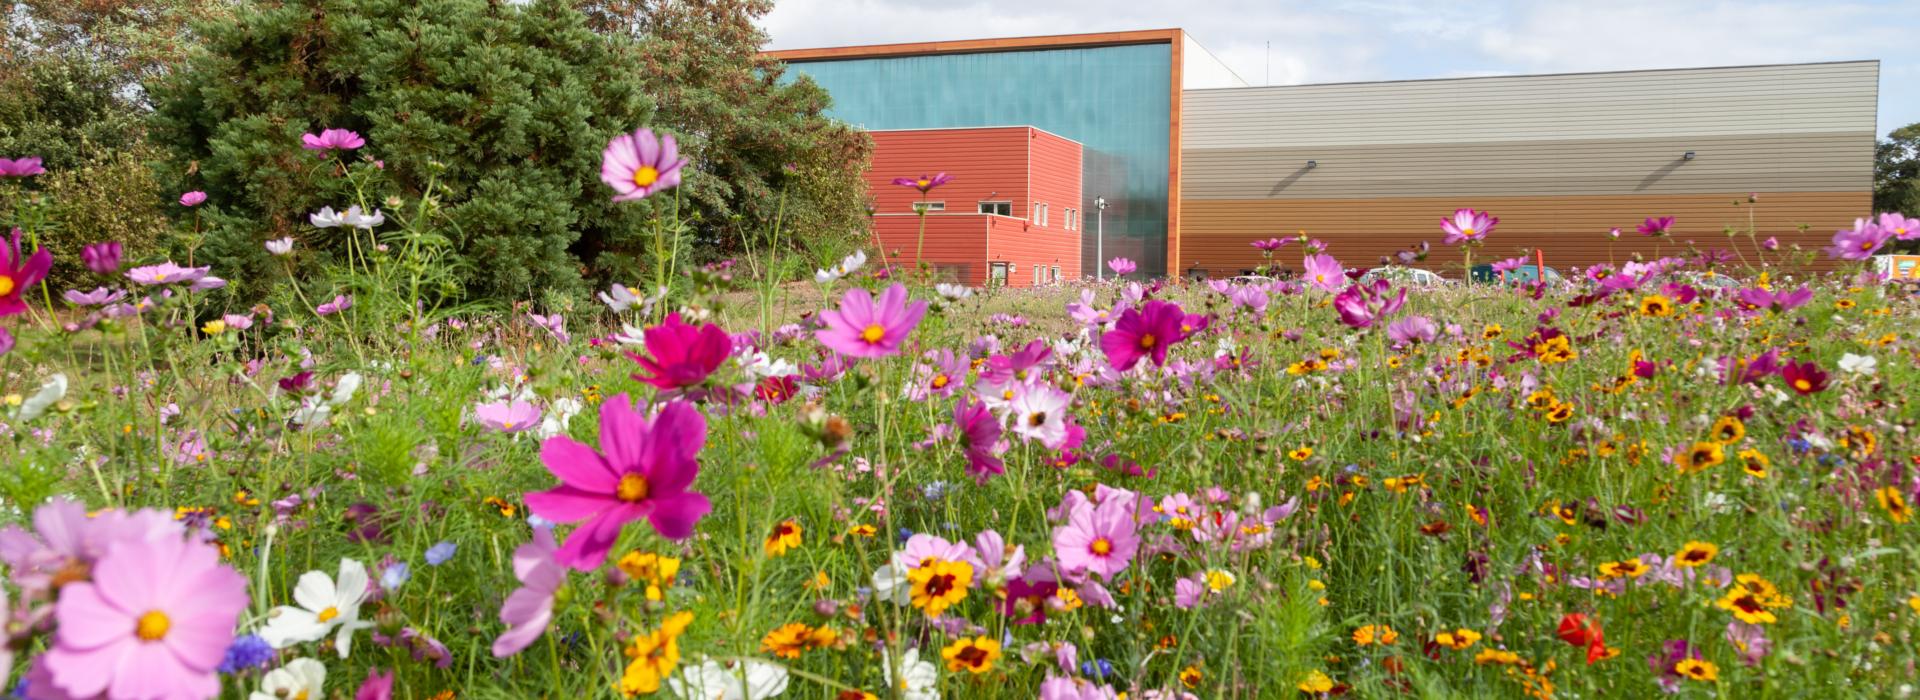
(997, 275)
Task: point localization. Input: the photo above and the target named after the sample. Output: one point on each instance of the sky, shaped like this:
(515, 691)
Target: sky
(1357, 40)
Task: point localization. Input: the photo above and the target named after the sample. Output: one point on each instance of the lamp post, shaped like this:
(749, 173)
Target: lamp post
(1100, 237)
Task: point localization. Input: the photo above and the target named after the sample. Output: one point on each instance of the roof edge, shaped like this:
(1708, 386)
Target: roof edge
(1027, 43)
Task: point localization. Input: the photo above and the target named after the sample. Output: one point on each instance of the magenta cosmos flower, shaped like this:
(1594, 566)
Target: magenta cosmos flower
(1467, 226)
(681, 355)
(866, 327)
(507, 416)
(643, 470)
(193, 199)
(20, 167)
(154, 622)
(1272, 244)
(1656, 226)
(1145, 332)
(102, 258)
(639, 164)
(979, 435)
(924, 183)
(332, 140)
(529, 609)
(18, 272)
(1122, 266)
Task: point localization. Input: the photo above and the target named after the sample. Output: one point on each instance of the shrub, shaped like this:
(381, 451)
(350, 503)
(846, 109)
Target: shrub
(509, 106)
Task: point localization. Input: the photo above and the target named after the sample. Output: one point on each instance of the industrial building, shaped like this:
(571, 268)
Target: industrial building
(1193, 164)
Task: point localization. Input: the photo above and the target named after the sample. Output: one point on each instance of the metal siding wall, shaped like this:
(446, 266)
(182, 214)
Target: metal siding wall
(1056, 181)
(1559, 158)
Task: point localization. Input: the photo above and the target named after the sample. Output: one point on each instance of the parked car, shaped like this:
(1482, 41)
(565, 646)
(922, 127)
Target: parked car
(1520, 275)
(1712, 280)
(1411, 276)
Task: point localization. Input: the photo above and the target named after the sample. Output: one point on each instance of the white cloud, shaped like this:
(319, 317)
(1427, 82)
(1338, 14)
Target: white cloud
(1403, 39)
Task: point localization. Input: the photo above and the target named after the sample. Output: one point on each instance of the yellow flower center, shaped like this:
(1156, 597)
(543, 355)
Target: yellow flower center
(1466, 231)
(1803, 385)
(940, 381)
(152, 626)
(646, 176)
(873, 333)
(328, 614)
(632, 489)
(6, 285)
(1148, 341)
(922, 183)
(1102, 547)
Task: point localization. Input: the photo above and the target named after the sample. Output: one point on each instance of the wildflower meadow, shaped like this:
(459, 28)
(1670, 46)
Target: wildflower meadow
(1691, 474)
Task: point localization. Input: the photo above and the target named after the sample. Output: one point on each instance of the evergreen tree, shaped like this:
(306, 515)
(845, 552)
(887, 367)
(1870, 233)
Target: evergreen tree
(765, 154)
(508, 106)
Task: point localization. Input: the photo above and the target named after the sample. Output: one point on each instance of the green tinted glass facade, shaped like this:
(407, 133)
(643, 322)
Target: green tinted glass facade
(1114, 100)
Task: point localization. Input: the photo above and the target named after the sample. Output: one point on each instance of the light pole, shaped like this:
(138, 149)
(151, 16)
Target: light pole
(1100, 237)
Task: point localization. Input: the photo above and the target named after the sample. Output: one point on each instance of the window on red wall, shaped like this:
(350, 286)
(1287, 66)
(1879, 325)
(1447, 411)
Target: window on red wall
(999, 208)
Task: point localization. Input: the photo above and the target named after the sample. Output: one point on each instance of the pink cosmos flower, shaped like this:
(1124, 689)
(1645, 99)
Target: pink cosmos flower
(20, 167)
(1899, 226)
(19, 272)
(924, 183)
(1272, 244)
(1324, 272)
(1097, 539)
(6, 342)
(166, 273)
(529, 609)
(1145, 332)
(1122, 266)
(154, 621)
(1656, 226)
(643, 470)
(1412, 330)
(1859, 242)
(193, 199)
(508, 417)
(1069, 688)
(980, 438)
(66, 539)
(102, 258)
(341, 302)
(1467, 226)
(332, 140)
(681, 355)
(640, 164)
(864, 327)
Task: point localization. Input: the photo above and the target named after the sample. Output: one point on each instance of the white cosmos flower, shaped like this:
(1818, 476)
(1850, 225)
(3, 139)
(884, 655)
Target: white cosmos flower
(343, 390)
(712, 681)
(759, 365)
(1039, 413)
(49, 394)
(299, 679)
(312, 413)
(555, 421)
(629, 335)
(955, 292)
(353, 216)
(280, 246)
(919, 680)
(890, 583)
(847, 266)
(620, 298)
(322, 606)
(1858, 365)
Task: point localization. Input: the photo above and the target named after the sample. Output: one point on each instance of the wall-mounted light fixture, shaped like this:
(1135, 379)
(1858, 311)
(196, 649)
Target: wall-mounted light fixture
(1687, 156)
(1313, 164)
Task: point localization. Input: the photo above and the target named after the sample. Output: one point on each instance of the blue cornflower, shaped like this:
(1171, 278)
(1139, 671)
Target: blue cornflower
(440, 553)
(247, 651)
(395, 575)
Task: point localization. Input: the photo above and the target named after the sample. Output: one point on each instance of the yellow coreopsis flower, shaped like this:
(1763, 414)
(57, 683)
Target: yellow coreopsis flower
(785, 536)
(974, 655)
(940, 584)
(655, 655)
(654, 570)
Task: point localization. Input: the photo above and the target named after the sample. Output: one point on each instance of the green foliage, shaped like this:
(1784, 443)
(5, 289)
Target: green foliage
(508, 105)
(766, 157)
(1896, 171)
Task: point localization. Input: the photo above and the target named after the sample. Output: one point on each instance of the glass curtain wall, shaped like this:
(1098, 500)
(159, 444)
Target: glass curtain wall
(1114, 100)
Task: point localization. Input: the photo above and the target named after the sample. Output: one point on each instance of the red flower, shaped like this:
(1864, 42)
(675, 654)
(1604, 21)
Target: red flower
(1804, 377)
(1580, 630)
